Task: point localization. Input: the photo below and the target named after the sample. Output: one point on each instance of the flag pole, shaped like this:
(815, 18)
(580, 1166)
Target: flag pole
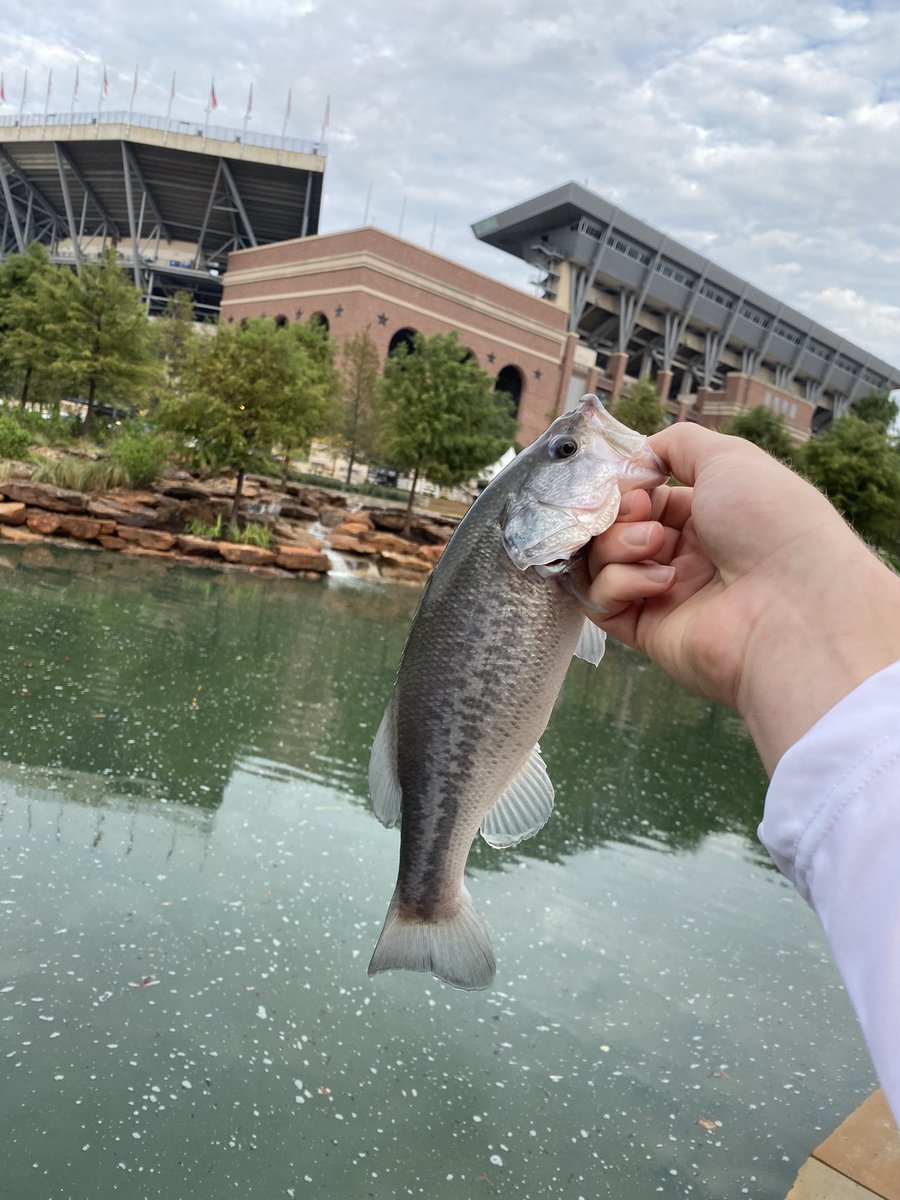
(24, 93)
(211, 103)
(247, 118)
(169, 110)
(104, 91)
(134, 88)
(72, 101)
(47, 97)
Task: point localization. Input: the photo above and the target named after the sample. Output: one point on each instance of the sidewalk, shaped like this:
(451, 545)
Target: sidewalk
(859, 1161)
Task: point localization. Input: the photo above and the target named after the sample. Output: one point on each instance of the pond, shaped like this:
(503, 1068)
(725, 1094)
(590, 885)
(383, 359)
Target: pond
(192, 885)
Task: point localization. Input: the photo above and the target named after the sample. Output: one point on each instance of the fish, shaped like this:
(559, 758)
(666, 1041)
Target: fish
(497, 625)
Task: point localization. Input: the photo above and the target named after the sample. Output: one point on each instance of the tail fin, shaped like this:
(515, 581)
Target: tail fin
(457, 951)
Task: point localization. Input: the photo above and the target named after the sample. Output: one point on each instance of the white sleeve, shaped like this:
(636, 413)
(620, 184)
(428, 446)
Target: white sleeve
(832, 825)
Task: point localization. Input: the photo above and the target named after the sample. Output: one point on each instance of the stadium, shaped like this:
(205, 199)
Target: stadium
(173, 197)
(233, 218)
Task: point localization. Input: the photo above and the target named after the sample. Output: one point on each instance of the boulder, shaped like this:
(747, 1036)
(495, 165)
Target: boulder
(197, 547)
(248, 556)
(350, 545)
(85, 529)
(300, 558)
(111, 542)
(147, 539)
(46, 496)
(401, 574)
(182, 489)
(409, 562)
(352, 529)
(431, 553)
(298, 512)
(330, 515)
(123, 511)
(44, 523)
(287, 531)
(362, 517)
(12, 513)
(16, 533)
(389, 542)
(391, 519)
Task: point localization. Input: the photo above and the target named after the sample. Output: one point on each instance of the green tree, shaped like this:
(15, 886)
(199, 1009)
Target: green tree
(307, 409)
(359, 377)
(639, 407)
(102, 334)
(27, 344)
(858, 468)
(438, 414)
(245, 391)
(175, 334)
(764, 428)
(876, 408)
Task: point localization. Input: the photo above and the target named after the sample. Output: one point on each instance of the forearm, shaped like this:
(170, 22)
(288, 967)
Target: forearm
(809, 654)
(832, 825)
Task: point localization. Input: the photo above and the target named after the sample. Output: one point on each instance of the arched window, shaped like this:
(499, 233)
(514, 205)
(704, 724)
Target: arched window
(319, 318)
(403, 337)
(511, 381)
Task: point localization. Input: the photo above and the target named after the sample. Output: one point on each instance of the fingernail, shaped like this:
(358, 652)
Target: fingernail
(638, 534)
(658, 573)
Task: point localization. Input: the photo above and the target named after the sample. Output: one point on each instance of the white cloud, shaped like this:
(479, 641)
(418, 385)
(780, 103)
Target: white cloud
(764, 135)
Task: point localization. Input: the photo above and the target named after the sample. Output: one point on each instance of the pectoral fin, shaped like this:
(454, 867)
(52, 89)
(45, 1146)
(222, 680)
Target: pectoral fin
(524, 807)
(384, 783)
(592, 643)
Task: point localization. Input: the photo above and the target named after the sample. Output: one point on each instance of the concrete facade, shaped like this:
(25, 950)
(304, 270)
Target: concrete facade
(646, 305)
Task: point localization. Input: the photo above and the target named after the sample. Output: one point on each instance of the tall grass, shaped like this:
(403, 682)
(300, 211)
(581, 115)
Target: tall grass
(82, 474)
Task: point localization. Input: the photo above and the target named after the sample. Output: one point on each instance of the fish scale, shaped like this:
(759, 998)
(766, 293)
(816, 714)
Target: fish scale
(484, 661)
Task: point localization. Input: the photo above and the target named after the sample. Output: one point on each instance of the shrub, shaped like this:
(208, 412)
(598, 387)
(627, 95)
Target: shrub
(14, 440)
(140, 455)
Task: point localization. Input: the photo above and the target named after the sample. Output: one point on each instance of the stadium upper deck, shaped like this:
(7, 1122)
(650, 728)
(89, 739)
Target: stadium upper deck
(635, 294)
(173, 197)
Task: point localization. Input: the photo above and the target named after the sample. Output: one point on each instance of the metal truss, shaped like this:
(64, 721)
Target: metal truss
(224, 197)
(29, 216)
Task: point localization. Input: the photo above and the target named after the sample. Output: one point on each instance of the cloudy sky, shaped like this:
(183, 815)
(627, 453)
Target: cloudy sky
(765, 133)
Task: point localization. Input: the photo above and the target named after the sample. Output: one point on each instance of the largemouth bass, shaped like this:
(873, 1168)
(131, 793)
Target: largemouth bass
(484, 661)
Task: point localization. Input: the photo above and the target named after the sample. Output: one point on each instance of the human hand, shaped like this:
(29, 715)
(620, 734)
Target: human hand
(745, 586)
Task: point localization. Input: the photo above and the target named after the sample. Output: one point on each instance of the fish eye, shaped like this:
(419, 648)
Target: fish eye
(563, 447)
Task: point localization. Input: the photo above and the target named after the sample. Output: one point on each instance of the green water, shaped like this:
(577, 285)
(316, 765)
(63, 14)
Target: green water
(182, 803)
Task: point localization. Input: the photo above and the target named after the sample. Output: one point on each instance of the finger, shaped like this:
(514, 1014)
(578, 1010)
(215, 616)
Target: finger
(671, 505)
(620, 585)
(626, 542)
(634, 506)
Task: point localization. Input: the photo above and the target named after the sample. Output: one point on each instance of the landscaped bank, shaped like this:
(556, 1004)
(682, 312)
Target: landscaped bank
(304, 523)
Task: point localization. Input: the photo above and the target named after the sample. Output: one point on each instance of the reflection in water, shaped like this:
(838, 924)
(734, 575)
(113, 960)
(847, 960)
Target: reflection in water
(192, 885)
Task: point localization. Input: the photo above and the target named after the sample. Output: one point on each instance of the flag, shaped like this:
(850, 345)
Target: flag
(49, 82)
(249, 104)
(2, 90)
(327, 112)
(213, 98)
(172, 93)
(135, 84)
(75, 87)
(287, 109)
(105, 82)
(25, 86)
